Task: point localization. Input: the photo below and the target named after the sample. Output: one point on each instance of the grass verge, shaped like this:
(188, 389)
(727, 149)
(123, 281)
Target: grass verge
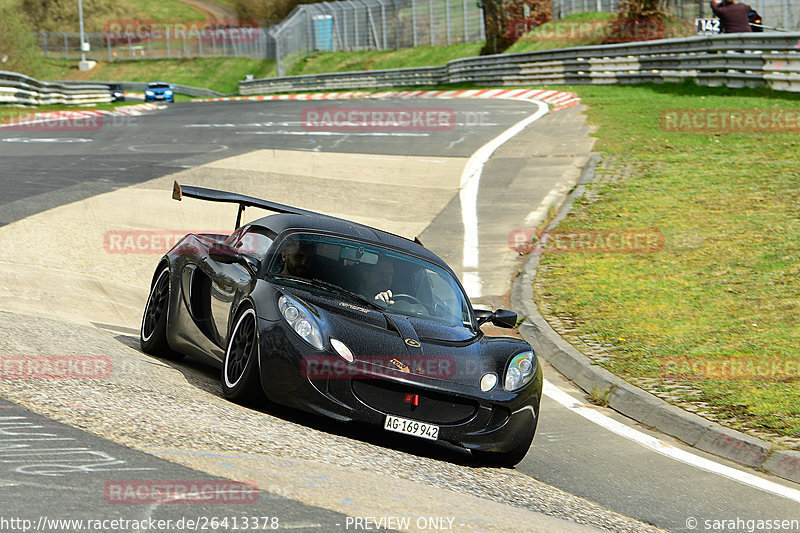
(169, 10)
(218, 73)
(420, 56)
(582, 29)
(587, 29)
(714, 313)
(165, 10)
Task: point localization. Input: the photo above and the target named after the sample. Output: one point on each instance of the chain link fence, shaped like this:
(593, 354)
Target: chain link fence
(778, 14)
(393, 24)
(170, 43)
(351, 25)
(375, 25)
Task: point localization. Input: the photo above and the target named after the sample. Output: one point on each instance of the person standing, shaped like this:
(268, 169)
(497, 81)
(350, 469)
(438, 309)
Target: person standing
(733, 16)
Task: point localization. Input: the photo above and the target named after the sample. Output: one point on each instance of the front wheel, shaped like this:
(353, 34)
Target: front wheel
(240, 379)
(153, 333)
(512, 457)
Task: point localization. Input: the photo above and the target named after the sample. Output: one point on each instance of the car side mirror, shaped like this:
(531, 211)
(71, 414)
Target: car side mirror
(502, 318)
(483, 316)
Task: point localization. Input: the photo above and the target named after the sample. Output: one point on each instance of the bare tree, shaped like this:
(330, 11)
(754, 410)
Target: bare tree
(506, 20)
(638, 20)
(18, 52)
(642, 9)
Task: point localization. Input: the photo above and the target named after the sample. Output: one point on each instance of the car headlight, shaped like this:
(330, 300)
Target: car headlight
(488, 381)
(520, 371)
(149, 93)
(342, 349)
(301, 321)
(168, 93)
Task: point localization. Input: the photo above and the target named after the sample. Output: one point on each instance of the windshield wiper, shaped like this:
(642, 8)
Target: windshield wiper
(316, 282)
(341, 290)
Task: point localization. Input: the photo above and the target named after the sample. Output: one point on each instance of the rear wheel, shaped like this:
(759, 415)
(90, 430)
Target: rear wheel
(241, 382)
(153, 333)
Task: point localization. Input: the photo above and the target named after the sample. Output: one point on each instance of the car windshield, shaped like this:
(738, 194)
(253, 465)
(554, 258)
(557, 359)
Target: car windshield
(370, 275)
(159, 86)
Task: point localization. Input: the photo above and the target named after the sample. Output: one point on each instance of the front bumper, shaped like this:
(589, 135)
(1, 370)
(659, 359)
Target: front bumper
(466, 416)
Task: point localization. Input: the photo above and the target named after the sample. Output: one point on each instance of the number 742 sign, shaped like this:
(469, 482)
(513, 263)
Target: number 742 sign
(707, 26)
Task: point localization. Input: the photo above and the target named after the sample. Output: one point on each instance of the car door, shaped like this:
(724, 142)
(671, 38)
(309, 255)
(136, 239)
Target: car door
(231, 277)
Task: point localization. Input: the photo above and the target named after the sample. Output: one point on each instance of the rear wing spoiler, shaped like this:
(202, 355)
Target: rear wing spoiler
(213, 195)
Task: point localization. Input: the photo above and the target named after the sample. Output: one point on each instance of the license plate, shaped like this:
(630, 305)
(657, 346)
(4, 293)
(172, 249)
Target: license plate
(411, 427)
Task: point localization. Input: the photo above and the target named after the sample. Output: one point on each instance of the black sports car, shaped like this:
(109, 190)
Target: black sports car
(346, 321)
(117, 92)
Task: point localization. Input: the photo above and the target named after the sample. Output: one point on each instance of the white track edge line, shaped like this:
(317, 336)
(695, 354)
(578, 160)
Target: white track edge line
(664, 448)
(468, 195)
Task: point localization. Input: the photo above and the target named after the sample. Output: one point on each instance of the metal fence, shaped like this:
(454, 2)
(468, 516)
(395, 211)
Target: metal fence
(139, 87)
(238, 42)
(375, 25)
(353, 25)
(393, 24)
(776, 13)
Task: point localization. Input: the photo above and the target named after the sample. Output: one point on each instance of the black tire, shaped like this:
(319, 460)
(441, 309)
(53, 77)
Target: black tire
(240, 378)
(153, 333)
(510, 458)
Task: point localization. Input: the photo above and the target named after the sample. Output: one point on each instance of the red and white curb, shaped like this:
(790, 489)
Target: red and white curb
(557, 99)
(25, 119)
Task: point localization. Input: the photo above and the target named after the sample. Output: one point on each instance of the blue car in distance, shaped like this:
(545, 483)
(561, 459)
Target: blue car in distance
(159, 90)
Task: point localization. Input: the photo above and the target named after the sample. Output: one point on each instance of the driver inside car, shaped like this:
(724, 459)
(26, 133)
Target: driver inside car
(376, 281)
(298, 258)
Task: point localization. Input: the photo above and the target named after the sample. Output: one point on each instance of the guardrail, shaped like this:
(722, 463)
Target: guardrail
(365, 79)
(736, 60)
(139, 87)
(20, 89)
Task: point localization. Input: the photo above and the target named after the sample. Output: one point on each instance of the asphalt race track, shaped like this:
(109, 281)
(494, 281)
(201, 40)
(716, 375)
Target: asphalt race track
(75, 275)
